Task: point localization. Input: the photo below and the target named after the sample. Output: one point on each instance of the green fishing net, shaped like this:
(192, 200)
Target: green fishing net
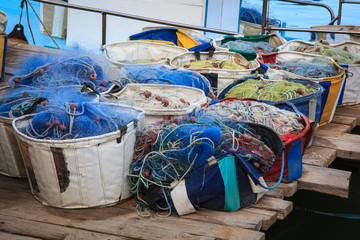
(214, 63)
(269, 90)
(339, 54)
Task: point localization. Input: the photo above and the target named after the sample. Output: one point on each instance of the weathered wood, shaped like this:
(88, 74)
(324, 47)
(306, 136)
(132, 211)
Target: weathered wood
(14, 184)
(340, 119)
(268, 217)
(230, 218)
(281, 207)
(118, 221)
(349, 112)
(333, 128)
(346, 145)
(282, 190)
(319, 156)
(325, 180)
(10, 236)
(42, 230)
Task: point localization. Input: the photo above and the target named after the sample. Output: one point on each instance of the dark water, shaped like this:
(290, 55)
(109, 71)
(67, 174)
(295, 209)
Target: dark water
(321, 216)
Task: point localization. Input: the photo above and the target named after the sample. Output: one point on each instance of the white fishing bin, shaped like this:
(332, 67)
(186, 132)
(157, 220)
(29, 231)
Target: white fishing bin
(11, 162)
(224, 77)
(335, 84)
(351, 94)
(194, 96)
(79, 173)
(120, 52)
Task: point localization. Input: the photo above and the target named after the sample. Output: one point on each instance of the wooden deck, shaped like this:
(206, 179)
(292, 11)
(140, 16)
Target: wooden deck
(23, 217)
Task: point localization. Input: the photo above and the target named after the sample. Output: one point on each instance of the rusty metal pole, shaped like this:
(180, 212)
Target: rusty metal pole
(264, 17)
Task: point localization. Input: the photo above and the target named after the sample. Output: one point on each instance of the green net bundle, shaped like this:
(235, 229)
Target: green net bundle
(338, 54)
(214, 63)
(269, 90)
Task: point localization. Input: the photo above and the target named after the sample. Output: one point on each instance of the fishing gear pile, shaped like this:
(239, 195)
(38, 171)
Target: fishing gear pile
(316, 69)
(77, 120)
(62, 95)
(147, 99)
(262, 89)
(247, 46)
(338, 54)
(181, 149)
(65, 71)
(280, 120)
(163, 75)
(214, 63)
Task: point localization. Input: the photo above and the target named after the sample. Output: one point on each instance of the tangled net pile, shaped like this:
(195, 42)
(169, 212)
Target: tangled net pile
(280, 120)
(315, 69)
(164, 75)
(167, 153)
(149, 100)
(78, 120)
(261, 89)
(65, 71)
(338, 54)
(246, 46)
(214, 63)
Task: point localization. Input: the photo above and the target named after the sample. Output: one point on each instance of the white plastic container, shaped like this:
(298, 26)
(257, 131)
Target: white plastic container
(79, 173)
(194, 96)
(352, 87)
(224, 76)
(118, 53)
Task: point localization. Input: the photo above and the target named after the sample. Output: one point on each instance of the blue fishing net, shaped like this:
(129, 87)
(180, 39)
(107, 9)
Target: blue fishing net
(164, 75)
(51, 72)
(76, 120)
(314, 69)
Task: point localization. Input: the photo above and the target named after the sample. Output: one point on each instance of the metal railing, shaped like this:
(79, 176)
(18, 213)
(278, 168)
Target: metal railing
(264, 25)
(105, 12)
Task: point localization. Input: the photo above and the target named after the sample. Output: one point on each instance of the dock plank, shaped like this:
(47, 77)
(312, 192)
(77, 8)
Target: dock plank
(325, 180)
(10, 236)
(319, 156)
(282, 190)
(117, 221)
(346, 145)
(268, 217)
(281, 207)
(333, 128)
(346, 120)
(33, 229)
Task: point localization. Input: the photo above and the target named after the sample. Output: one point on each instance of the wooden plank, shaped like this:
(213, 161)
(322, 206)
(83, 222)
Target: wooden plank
(281, 207)
(14, 184)
(118, 221)
(238, 218)
(319, 156)
(349, 112)
(268, 217)
(333, 128)
(282, 190)
(325, 180)
(230, 218)
(41, 230)
(10, 236)
(340, 119)
(346, 145)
